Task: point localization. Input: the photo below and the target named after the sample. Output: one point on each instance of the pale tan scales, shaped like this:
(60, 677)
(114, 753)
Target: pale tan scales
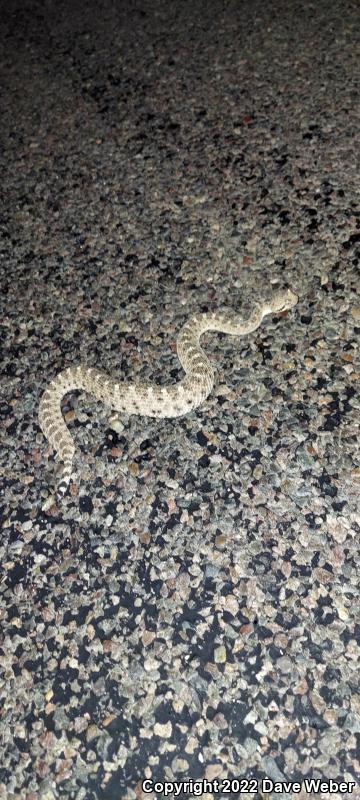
(143, 398)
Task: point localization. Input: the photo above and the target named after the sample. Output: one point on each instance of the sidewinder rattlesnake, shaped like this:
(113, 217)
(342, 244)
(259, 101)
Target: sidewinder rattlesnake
(147, 399)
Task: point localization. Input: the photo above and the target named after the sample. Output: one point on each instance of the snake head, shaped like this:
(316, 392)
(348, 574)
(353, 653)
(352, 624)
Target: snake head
(281, 301)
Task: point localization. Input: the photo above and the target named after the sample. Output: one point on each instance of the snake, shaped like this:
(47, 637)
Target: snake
(146, 398)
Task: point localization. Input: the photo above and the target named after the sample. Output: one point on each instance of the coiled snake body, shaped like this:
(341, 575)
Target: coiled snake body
(135, 397)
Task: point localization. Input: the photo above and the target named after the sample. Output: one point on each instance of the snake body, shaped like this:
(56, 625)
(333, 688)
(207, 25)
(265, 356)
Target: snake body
(147, 399)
